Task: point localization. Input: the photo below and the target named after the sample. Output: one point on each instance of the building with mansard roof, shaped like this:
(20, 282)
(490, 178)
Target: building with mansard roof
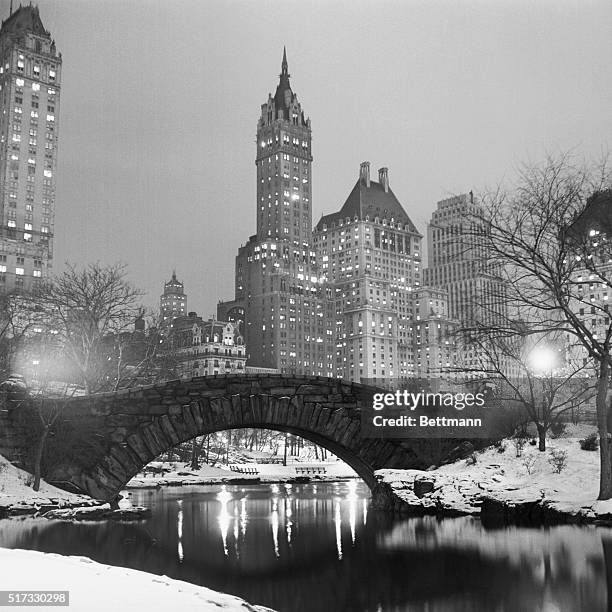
(369, 253)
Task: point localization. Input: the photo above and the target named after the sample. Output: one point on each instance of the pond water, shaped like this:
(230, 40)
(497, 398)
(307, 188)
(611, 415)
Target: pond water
(320, 548)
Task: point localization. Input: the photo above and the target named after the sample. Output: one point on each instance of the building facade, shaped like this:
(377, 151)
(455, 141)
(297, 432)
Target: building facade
(30, 77)
(173, 301)
(285, 302)
(369, 253)
(457, 262)
(205, 348)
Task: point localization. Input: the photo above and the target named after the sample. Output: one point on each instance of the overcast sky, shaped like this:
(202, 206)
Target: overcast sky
(160, 101)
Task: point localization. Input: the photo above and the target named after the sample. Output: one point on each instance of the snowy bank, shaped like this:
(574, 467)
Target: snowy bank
(95, 587)
(267, 473)
(18, 498)
(502, 487)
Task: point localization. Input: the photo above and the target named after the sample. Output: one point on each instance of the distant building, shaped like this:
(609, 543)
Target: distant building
(458, 263)
(173, 301)
(30, 76)
(203, 348)
(435, 344)
(287, 309)
(589, 236)
(370, 254)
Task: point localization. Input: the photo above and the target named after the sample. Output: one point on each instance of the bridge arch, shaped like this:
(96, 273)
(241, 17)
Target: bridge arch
(113, 435)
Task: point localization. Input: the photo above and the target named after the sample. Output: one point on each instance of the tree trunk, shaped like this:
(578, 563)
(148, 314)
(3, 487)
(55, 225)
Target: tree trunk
(194, 454)
(38, 459)
(601, 403)
(541, 437)
(285, 452)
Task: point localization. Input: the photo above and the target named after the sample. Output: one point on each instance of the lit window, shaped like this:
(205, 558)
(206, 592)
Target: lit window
(27, 237)
(51, 91)
(37, 69)
(12, 223)
(19, 82)
(31, 160)
(48, 173)
(2, 268)
(37, 273)
(51, 74)
(50, 117)
(19, 271)
(44, 229)
(34, 113)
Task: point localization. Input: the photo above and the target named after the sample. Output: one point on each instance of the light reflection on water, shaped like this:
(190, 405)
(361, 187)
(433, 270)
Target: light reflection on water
(319, 548)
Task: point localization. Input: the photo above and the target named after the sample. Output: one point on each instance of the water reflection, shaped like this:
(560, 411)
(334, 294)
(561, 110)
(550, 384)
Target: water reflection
(316, 548)
(179, 530)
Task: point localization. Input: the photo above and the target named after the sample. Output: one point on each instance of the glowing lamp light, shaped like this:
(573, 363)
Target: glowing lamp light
(543, 359)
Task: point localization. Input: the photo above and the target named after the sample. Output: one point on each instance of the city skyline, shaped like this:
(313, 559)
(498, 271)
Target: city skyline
(164, 149)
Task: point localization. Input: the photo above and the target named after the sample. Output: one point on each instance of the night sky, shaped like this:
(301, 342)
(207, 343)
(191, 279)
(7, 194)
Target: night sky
(160, 102)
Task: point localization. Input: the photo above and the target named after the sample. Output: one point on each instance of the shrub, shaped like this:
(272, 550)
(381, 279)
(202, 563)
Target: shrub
(557, 429)
(519, 444)
(558, 459)
(590, 443)
(529, 463)
(501, 446)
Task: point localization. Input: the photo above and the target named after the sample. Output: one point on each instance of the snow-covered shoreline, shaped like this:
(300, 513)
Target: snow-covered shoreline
(265, 474)
(502, 488)
(95, 587)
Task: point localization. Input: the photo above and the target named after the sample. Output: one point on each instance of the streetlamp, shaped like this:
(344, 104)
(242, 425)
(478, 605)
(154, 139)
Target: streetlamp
(543, 360)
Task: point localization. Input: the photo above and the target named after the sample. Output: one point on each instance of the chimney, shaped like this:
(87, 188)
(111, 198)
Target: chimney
(383, 178)
(364, 173)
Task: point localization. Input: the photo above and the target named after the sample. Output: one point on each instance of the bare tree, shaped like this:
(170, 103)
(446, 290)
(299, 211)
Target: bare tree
(549, 244)
(91, 308)
(532, 373)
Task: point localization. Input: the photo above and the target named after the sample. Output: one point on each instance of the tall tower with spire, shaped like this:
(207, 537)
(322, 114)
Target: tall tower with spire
(30, 76)
(283, 161)
(286, 305)
(173, 301)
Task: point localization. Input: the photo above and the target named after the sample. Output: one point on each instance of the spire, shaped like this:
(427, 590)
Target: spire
(283, 91)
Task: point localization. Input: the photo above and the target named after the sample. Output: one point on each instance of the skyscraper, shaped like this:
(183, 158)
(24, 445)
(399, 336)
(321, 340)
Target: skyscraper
(30, 76)
(370, 253)
(457, 262)
(285, 302)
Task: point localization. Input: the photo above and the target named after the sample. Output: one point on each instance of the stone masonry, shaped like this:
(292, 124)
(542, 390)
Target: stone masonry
(100, 442)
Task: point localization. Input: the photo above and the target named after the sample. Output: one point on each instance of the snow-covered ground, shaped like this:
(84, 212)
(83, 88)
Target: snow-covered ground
(95, 587)
(506, 477)
(266, 472)
(16, 491)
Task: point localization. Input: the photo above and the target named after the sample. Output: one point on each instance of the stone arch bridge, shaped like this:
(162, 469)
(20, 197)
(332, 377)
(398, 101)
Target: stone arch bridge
(99, 442)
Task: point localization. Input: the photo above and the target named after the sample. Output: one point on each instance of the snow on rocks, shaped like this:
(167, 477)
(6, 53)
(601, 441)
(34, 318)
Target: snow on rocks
(94, 587)
(17, 498)
(99, 513)
(502, 487)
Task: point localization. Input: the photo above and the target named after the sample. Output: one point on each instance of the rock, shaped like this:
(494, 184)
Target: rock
(100, 513)
(423, 485)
